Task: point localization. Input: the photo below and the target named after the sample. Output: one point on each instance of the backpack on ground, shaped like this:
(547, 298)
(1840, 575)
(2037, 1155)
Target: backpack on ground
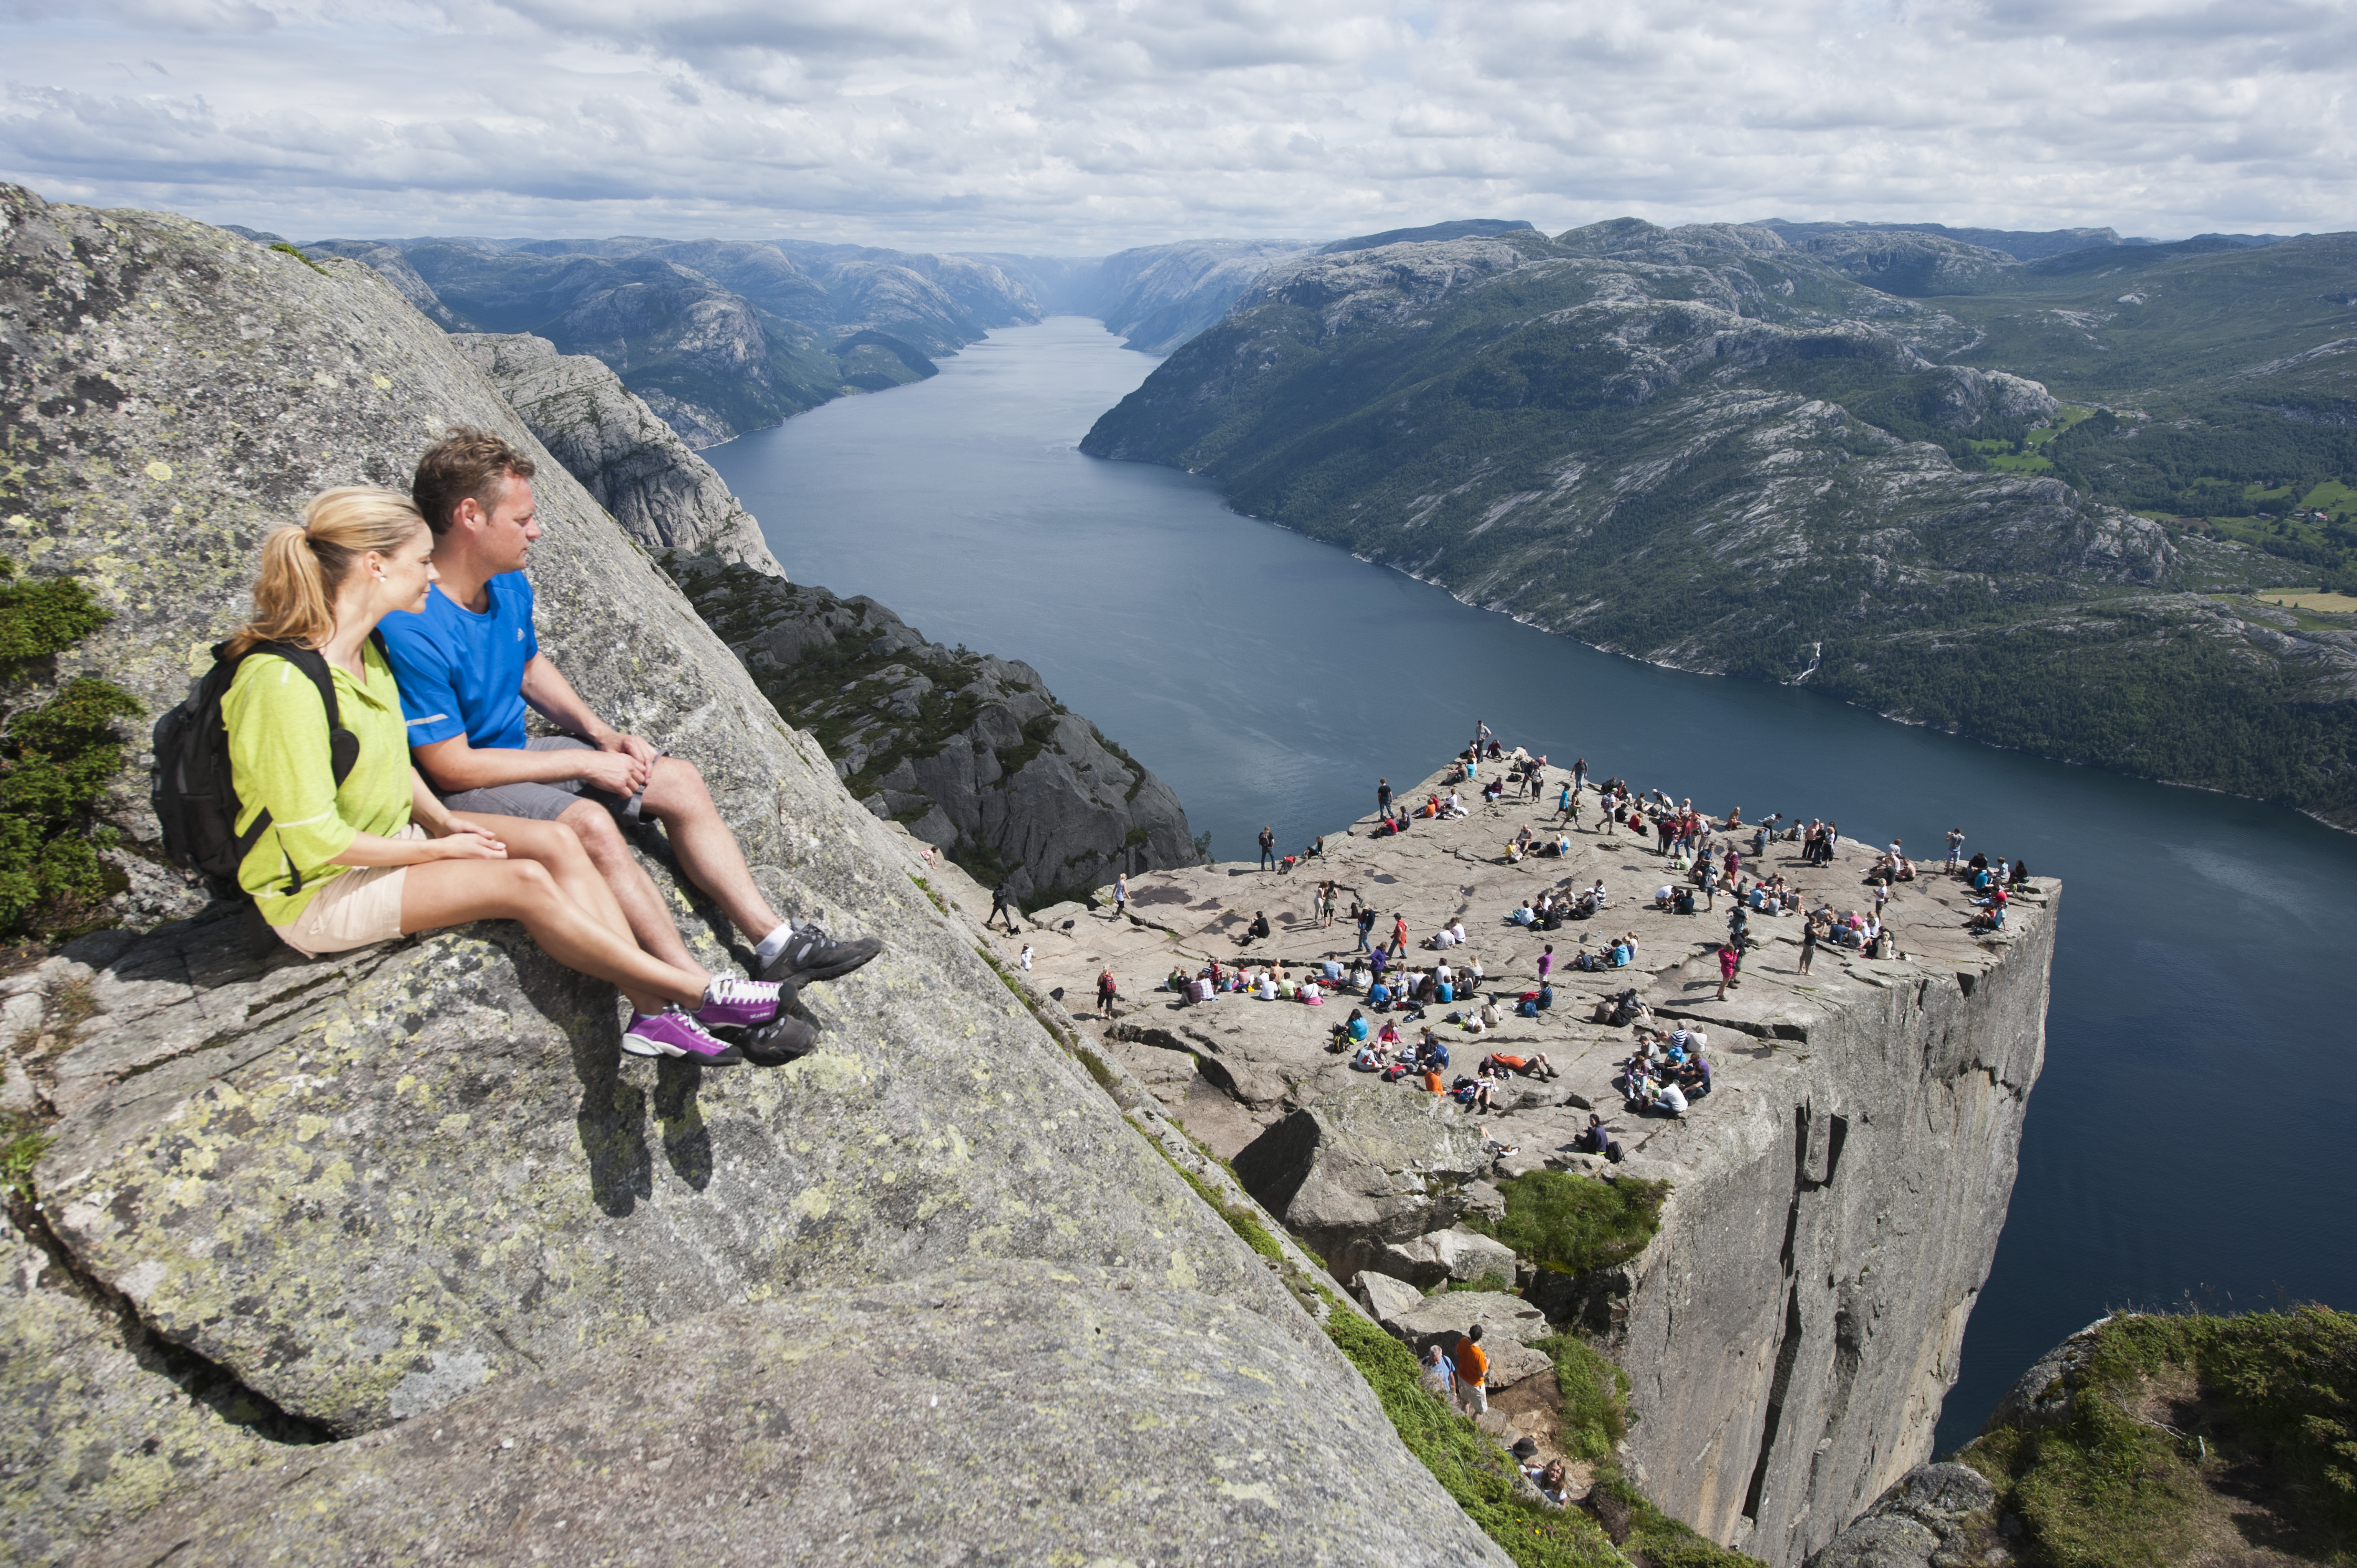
(190, 788)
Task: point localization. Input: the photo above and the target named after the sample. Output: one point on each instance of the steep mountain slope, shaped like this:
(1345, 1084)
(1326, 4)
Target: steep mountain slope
(1712, 449)
(720, 336)
(1157, 297)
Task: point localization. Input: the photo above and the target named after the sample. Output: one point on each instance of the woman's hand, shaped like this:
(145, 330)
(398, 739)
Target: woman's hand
(468, 840)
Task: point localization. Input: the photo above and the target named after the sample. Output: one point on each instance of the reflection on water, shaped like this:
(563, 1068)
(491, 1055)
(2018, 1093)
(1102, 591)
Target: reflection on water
(2190, 1133)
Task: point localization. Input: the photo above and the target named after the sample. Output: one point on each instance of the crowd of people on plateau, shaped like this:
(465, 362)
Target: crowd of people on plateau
(1388, 1034)
(372, 713)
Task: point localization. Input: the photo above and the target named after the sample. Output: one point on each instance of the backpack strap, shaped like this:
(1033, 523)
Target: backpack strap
(343, 746)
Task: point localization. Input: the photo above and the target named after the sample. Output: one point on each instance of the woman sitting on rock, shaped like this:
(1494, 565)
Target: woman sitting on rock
(344, 857)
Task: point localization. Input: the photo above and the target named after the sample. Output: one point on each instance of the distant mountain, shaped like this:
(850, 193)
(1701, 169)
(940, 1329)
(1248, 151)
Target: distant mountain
(1461, 229)
(1158, 297)
(719, 336)
(2022, 245)
(1839, 456)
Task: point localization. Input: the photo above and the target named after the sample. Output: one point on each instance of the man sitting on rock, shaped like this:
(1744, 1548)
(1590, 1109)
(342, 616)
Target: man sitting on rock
(468, 663)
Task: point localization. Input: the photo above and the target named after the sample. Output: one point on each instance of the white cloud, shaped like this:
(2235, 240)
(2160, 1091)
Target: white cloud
(1057, 125)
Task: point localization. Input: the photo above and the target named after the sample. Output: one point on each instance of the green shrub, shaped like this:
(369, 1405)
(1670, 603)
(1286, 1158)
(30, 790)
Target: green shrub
(1594, 1392)
(56, 761)
(2105, 1489)
(1574, 1224)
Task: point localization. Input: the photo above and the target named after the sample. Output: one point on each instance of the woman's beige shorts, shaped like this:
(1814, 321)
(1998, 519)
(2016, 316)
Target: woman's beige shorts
(361, 906)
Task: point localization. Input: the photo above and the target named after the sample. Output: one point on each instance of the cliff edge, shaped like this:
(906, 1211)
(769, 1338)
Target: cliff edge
(1789, 1322)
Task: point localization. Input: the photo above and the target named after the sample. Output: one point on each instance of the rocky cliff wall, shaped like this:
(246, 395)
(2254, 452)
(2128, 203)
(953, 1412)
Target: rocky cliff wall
(1793, 1330)
(630, 461)
(517, 1294)
(973, 753)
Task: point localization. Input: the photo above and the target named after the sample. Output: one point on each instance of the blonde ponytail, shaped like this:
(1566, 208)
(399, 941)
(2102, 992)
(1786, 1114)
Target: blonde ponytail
(303, 566)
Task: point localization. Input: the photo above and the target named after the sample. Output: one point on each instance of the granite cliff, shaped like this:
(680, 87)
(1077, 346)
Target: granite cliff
(630, 461)
(1791, 1328)
(971, 752)
(397, 1253)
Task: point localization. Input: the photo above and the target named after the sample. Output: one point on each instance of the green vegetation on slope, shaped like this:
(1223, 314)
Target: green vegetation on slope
(2184, 1428)
(56, 759)
(1576, 1224)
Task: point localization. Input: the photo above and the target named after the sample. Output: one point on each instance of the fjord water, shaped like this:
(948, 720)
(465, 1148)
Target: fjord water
(2190, 1137)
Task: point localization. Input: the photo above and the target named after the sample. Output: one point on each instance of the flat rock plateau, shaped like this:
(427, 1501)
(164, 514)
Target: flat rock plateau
(1836, 1203)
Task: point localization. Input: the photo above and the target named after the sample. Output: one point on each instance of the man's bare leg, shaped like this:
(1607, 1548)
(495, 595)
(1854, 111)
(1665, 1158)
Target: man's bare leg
(707, 850)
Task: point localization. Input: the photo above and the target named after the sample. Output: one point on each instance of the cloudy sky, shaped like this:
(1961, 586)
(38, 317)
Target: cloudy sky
(1078, 128)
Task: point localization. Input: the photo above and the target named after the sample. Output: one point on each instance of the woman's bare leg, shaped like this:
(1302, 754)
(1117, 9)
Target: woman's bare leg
(453, 892)
(559, 848)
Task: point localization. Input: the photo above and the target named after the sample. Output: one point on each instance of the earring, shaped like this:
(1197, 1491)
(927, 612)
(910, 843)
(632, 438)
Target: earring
(380, 576)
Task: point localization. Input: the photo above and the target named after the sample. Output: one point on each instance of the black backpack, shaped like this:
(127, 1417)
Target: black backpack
(190, 788)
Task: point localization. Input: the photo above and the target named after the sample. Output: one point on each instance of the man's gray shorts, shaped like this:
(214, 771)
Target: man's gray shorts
(540, 802)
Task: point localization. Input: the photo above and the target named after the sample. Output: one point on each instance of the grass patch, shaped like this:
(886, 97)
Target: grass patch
(22, 1145)
(1095, 1065)
(1576, 1224)
(284, 249)
(1495, 1284)
(926, 888)
(2126, 1479)
(1595, 1415)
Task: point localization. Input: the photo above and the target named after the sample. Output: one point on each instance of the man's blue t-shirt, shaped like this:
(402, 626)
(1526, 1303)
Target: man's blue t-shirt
(462, 673)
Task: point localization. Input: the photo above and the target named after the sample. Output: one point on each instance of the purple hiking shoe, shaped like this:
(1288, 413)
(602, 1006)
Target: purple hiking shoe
(733, 1003)
(671, 1033)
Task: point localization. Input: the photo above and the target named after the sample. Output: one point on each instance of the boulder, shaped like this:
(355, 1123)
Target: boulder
(1454, 1255)
(983, 1414)
(1936, 1515)
(1367, 1165)
(2043, 1396)
(363, 1191)
(1385, 1296)
(1503, 1318)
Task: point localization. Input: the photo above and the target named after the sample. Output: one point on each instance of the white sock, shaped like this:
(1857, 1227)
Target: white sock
(773, 944)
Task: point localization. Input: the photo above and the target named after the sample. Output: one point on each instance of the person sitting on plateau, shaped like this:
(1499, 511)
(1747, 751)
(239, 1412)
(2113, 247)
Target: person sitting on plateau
(469, 660)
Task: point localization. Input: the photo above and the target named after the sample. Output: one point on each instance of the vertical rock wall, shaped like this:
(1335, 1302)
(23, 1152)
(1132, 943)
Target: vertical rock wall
(1792, 1331)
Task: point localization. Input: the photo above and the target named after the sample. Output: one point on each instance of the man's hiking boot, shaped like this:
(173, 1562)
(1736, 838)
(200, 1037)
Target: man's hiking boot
(779, 1041)
(733, 1003)
(811, 955)
(671, 1033)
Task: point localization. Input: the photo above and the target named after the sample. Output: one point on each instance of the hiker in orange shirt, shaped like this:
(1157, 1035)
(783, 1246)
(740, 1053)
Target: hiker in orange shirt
(1472, 1373)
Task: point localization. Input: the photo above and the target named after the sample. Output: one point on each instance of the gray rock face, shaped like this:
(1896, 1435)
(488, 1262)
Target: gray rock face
(393, 1185)
(981, 1414)
(629, 460)
(1456, 1254)
(1937, 1515)
(973, 753)
(1157, 297)
(1364, 1166)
